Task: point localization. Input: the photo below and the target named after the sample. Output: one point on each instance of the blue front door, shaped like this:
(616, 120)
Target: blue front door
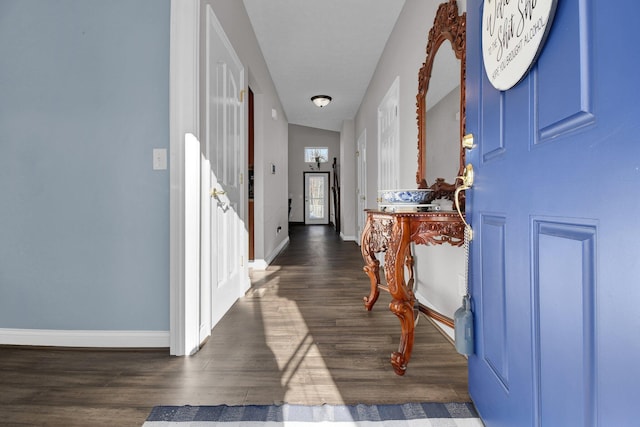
(555, 259)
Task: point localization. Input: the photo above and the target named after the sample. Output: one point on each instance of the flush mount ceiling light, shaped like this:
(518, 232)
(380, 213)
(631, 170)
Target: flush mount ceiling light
(321, 100)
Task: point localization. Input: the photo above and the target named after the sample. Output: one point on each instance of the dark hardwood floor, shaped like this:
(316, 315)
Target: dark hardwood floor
(300, 335)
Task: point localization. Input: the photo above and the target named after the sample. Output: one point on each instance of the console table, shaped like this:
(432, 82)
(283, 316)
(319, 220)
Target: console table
(392, 233)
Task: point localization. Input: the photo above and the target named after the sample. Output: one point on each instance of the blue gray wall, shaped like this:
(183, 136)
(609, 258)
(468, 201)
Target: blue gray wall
(84, 220)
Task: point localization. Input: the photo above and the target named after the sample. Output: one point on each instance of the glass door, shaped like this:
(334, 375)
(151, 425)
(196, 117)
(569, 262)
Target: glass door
(316, 198)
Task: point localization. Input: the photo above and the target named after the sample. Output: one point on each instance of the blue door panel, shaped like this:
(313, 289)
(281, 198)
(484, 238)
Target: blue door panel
(492, 112)
(494, 319)
(560, 69)
(555, 260)
(516, 124)
(563, 298)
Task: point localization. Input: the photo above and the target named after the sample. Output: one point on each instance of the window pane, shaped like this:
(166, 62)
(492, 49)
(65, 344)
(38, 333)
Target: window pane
(316, 197)
(315, 154)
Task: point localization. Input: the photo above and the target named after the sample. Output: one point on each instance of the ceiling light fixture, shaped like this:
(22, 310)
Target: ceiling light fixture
(321, 100)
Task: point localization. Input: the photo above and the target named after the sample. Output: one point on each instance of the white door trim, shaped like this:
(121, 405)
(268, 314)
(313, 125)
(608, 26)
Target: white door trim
(183, 120)
(361, 184)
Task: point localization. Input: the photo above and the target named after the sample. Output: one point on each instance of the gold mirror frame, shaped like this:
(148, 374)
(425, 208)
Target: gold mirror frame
(447, 25)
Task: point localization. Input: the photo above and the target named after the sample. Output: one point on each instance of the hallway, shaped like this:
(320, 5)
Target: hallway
(327, 347)
(300, 335)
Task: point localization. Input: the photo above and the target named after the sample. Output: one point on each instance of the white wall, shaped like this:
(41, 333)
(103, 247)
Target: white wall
(84, 219)
(348, 180)
(437, 268)
(300, 137)
(271, 135)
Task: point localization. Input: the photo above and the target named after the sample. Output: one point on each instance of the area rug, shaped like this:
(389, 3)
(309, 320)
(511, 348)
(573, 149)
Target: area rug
(405, 415)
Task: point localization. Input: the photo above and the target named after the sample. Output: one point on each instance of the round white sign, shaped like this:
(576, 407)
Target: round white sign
(513, 33)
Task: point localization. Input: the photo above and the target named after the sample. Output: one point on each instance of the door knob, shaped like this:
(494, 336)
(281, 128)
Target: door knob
(467, 141)
(215, 192)
(467, 176)
(467, 182)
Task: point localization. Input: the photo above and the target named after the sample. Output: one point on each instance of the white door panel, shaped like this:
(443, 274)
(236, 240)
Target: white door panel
(389, 139)
(224, 275)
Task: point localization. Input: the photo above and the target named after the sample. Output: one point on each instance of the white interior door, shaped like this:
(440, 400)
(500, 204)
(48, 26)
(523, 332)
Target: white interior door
(316, 197)
(224, 268)
(361, 191)
(389, 139)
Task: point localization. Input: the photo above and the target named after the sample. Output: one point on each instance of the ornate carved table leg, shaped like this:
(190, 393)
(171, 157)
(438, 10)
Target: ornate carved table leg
(374, 239)
(400, 358)
(372, 267)
(409, 264)
(410, 281)
(373, 271)
(403, 298)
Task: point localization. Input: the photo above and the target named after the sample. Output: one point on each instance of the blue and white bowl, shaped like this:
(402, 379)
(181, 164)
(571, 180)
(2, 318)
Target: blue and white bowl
(406, 197)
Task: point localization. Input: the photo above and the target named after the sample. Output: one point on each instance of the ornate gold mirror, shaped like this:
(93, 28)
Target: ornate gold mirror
(441, 103)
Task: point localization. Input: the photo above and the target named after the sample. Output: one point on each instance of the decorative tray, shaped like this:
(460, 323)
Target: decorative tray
(407, 207)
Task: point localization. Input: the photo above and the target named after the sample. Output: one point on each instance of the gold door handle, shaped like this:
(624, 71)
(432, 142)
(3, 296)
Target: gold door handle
(467, 141)
(467, 182)
(467, 176)
(215, 193)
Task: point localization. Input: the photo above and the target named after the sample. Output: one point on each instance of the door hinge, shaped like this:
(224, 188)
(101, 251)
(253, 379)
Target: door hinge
(241, 95)
(241, 178)
(241, 260)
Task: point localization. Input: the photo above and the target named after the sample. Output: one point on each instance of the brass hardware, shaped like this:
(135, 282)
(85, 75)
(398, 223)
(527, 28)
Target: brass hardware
(215, 193)
(241, 178)
(467, 141)
(241, 95)
(467, 176)
(467, 182)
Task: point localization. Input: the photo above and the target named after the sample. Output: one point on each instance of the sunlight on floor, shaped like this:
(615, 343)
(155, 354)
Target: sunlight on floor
(297, 355)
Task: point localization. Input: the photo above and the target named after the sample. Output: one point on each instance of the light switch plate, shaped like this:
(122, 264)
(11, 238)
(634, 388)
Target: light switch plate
(159, 159)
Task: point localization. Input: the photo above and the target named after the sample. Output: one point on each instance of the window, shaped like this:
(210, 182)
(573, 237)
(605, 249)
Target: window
(316, 154)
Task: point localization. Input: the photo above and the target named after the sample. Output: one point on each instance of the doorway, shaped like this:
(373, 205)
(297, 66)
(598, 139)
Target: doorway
(361, 191)
(250, 161)
(316, 198)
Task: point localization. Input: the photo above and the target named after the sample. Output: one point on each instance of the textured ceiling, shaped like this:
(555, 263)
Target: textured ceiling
(328, 47)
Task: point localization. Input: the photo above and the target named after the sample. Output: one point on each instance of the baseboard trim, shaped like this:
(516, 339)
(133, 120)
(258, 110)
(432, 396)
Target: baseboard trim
(443, 323)
(258, 264)
(347, 238)
(444, 329)
(100, 339)
(262, 264)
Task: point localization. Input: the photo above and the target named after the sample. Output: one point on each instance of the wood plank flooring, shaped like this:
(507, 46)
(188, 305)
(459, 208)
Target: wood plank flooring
(300, 335)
